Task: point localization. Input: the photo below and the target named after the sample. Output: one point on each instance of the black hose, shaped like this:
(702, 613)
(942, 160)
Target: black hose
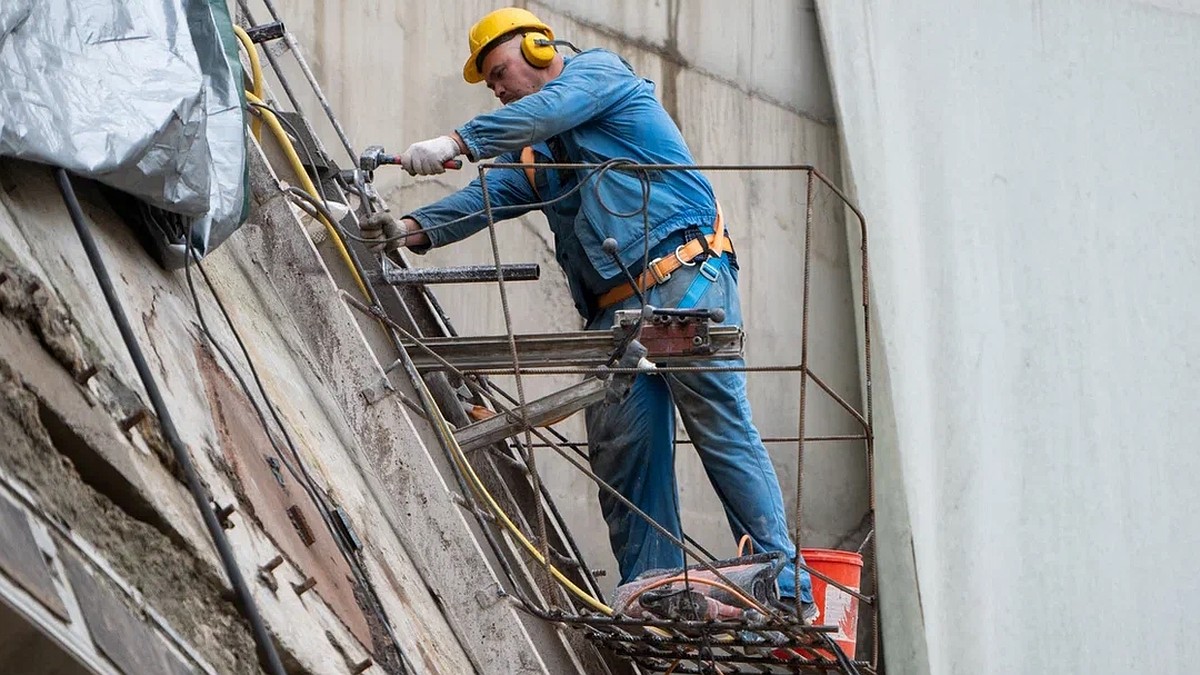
(844, 663)
(245, 601)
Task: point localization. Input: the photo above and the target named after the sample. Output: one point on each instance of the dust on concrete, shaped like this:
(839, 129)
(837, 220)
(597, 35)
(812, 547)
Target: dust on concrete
(26, 298)
(173, 581)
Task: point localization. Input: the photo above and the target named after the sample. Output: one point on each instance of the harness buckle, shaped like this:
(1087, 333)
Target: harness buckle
(685, 263)
(710, 271)
(658, 278)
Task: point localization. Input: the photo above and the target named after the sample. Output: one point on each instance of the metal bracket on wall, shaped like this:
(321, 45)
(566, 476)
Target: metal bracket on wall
(376, 392)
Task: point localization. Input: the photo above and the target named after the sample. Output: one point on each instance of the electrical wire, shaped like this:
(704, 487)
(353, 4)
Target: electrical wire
(657, 583)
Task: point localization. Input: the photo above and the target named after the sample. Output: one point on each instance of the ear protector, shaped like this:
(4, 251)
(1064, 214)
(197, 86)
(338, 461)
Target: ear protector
(538, 49)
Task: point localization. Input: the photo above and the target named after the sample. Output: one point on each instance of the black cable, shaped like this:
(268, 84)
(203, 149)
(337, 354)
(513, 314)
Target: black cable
(847, 666)
(644, 209)
(244, 599)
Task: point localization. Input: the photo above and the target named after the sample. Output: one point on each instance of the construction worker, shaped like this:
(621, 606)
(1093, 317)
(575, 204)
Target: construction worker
(591, 107)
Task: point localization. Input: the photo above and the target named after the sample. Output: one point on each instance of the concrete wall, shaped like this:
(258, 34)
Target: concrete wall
(746, 85)
(1030, 169)
(61, 440)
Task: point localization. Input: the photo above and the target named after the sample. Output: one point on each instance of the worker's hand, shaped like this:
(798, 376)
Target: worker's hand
(429, 157)
(388, 233)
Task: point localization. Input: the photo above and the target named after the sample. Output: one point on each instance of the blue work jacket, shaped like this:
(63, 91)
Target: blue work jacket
(597, 109)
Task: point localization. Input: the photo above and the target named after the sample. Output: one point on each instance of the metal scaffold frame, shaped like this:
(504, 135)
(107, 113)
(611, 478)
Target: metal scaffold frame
(672, 650)
(564, 591)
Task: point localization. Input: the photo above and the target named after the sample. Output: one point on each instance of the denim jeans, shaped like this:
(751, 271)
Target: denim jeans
(631, 445)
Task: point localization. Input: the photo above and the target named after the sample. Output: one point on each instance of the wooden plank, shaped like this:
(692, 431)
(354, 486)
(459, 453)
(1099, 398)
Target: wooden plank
(543, 411)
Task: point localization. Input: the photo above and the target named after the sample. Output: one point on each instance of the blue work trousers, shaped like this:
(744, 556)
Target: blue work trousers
(631, 446)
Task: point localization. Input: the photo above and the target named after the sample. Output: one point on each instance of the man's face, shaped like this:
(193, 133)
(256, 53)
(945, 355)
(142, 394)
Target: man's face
(509, 75)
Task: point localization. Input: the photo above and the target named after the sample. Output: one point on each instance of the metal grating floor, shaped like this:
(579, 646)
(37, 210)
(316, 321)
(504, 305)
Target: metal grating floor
(718, 647)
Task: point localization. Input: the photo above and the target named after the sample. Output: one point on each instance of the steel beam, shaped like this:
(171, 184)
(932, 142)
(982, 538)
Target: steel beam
(583, 348)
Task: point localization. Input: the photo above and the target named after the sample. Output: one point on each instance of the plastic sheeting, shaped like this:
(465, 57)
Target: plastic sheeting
(142, 96)
(1029, 172)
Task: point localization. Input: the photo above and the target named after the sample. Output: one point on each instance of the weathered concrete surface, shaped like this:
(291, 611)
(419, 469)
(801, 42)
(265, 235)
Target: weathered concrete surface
(746, 85)
(187, 594)
(115, 487)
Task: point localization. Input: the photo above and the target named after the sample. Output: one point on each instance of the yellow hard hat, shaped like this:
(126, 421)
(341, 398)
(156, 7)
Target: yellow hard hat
(496, 25)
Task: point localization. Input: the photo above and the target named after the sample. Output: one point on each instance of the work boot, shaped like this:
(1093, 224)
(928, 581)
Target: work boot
(808, 610)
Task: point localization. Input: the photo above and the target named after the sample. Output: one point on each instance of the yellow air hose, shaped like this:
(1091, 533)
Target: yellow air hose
(256, 75)
(298, 168)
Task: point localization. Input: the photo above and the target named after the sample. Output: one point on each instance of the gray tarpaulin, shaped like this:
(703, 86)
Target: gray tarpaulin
(144, 97)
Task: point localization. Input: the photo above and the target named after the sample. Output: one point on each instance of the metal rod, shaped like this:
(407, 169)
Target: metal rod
(266, 32)
(808, 211)
(294, 47)
(869, 599)
(530, 457)
(836, 397)
(632, 166)
(767, 439)
(287, 89)
(465, 274)
(570, 349)
(244, 599)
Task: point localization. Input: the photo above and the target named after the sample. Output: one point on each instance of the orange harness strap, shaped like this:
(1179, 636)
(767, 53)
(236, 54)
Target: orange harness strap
(529, 160)
(660, 269)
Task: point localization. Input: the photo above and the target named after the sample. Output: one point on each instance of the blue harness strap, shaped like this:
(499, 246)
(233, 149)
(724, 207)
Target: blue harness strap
(709, 270)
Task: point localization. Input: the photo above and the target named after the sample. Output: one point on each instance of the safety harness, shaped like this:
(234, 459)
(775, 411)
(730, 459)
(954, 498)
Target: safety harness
(660, 270)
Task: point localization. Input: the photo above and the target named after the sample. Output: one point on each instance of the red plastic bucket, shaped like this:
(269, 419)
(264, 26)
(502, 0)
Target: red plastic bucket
(838, 608)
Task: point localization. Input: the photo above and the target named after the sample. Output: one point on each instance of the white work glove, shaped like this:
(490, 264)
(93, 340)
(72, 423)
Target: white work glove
(427, 157)
(389, 233)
